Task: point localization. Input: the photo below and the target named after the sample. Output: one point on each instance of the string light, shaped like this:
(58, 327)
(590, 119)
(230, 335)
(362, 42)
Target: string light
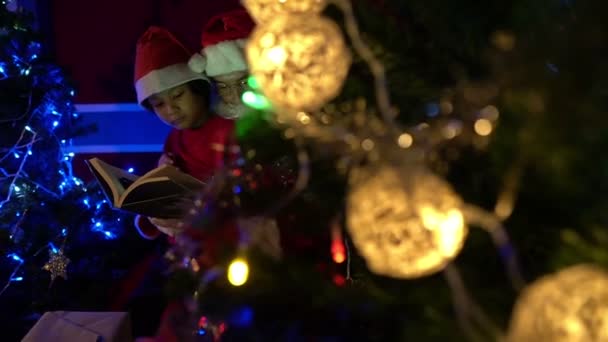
(299, 61)
(483, 127)
(338, 250)
(402, 228)
(570, 306)
(405, 221)
(265, 10)
(405, 140)
(238, 272)
(255, 100)
(38, 135)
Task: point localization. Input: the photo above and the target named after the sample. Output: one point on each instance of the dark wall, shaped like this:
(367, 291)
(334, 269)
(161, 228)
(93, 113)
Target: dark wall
(95, 40)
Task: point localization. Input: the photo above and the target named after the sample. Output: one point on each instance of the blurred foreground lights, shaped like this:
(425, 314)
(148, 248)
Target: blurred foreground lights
(265, 10)
(489, 112)
(568, 306)
(303, 118)
(503, 40)
(452, 129)
(367, 144)
(483, 127)
(299, 61)
(405, 140)
(238, 272)
(405, 221)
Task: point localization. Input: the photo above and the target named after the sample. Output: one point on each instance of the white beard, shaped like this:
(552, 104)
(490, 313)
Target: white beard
(230, 111)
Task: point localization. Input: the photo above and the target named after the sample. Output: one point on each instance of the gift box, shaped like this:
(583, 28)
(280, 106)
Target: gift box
(63, 326)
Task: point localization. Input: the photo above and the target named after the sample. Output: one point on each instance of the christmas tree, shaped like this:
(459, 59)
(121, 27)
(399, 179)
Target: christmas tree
(435, 159)
(58, 235)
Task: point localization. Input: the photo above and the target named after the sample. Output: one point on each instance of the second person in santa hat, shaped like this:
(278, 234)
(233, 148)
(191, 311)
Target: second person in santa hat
(222, 59)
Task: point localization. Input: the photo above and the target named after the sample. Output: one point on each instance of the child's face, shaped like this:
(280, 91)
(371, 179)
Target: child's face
(179, 107)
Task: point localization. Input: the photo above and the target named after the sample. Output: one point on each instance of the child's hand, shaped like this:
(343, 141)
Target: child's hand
(170, 227)
(166, 159)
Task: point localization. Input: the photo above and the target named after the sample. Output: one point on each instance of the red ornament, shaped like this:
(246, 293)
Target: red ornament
(339, 280)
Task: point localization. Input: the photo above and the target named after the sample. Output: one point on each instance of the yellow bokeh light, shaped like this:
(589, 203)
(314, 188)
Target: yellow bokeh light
(504, 206)
(449, 225)
(367, 144)
(265, 10)
(483, 127)
(238, 272)
(446, 107)
(303, 118)
(404, 221)
(277, 55)
(568, 306)
(489, 112)
(299, 61)
(450, 132)
(405, 140)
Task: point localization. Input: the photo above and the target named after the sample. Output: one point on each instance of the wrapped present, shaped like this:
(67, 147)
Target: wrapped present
(58, 326)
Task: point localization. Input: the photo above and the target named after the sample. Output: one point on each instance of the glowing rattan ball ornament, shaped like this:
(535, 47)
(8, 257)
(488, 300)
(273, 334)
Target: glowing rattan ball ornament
(568, 306)
(405, 223)
(300, 62)
(263, 11)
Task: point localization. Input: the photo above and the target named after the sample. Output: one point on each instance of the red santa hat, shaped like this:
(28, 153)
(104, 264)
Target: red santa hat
(223, 42)
(161, 63)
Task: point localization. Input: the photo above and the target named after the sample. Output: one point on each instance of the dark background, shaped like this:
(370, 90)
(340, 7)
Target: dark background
(95, 40)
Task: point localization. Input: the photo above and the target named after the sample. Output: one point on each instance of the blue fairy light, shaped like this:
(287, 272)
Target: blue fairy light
(109, 235)
(53, 248)
(40, 138)
(16, 258)
(242, 317)
(432, 109)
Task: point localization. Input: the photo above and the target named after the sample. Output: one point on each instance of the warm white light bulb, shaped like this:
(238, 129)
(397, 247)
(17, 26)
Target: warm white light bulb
(238, 272)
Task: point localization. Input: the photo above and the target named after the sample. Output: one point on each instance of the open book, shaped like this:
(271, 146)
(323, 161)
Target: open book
(159, 193)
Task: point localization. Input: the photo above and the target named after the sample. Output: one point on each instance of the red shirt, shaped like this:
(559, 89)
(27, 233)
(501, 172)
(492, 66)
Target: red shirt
(201, 151)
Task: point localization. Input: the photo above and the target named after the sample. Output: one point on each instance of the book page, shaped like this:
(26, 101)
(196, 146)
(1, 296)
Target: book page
(112, 179)
(158, 197)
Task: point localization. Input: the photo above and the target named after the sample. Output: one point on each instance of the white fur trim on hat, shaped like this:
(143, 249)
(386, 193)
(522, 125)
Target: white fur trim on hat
(225, 57)
(163, 79)
(197, 63)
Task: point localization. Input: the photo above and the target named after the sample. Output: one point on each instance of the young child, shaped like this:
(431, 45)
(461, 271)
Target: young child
(165, 85)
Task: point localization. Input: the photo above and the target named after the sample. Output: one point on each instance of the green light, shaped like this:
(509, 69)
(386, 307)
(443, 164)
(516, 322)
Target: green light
(253, 83)
(248, 97)
(254, 100)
